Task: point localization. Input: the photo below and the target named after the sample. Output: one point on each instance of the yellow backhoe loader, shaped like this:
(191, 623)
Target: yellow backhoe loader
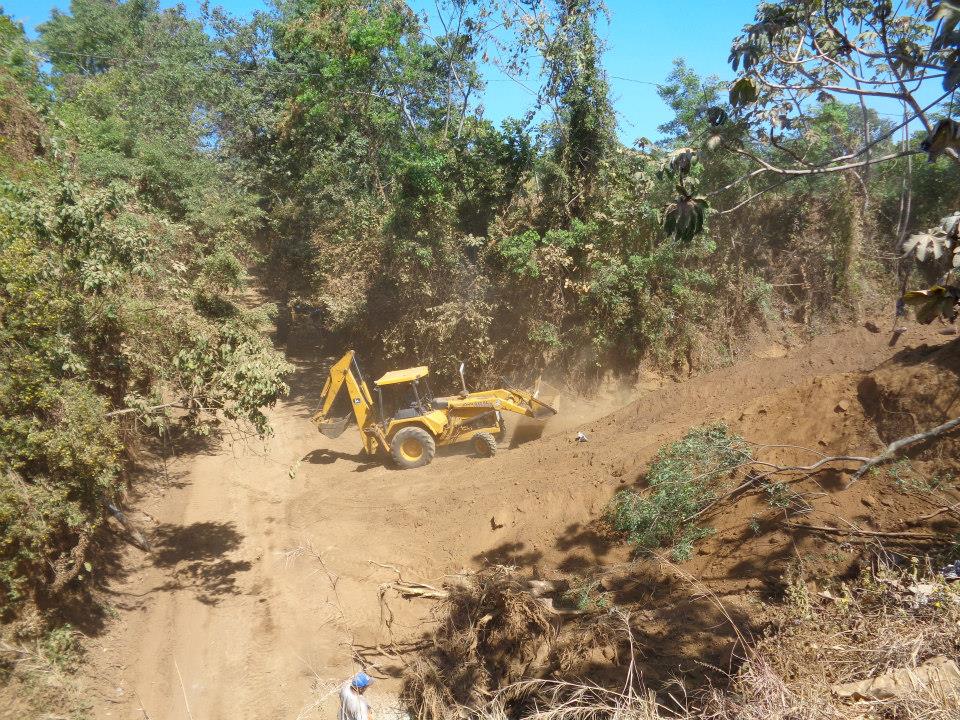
(408, 423)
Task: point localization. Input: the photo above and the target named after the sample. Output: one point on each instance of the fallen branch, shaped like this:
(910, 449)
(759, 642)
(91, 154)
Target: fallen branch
(891, 451)
(808, 469)
(68, 568)
(894, 448)
(709, 506)
(134, 536)
(146, 716)
(145, 410)
(184, 689)
(858, 531)
(952, 509)
(408, 590)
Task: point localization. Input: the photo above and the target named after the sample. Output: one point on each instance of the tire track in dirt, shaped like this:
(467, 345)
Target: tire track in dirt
(260, 629)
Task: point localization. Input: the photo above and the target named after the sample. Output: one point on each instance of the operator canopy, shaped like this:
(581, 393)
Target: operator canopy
(401, 376)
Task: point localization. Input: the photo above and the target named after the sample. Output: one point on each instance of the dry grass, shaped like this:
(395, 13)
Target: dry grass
(491, 635)
(497, 656)
(885, 621)
(37, 676)
(760, 692)
(557, 700)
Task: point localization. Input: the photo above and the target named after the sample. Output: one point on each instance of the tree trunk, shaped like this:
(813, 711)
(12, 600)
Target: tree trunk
(853, 234)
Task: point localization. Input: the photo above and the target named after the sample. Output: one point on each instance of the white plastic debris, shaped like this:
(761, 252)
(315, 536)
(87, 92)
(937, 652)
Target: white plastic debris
(581, 437)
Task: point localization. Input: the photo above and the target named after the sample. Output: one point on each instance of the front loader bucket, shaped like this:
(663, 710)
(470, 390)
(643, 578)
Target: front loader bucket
(334, 427)
(544, 403)
(541, 410)
(546, 400)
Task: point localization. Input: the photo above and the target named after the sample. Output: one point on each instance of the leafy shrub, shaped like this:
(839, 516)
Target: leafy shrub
(778, 495)
(908, 479)
(112, 311)
(685, 477)
(516, 253)
(61, 647)
(587, 595)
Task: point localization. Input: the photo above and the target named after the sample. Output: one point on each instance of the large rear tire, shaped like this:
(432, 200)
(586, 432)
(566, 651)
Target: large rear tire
(485, 444)
(412, 447)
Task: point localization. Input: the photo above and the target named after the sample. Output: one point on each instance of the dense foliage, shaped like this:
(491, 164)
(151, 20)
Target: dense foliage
(122, 262)
(422, 232)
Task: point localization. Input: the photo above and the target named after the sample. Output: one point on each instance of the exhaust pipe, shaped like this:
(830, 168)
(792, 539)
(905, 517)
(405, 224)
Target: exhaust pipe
(463, 381)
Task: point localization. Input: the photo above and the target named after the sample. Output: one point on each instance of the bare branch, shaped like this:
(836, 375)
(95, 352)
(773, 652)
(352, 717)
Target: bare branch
(823, 169)
(866, 463)
(839, 89)
(898, 446)
(753, 197)
(182, 405)
(858, 531)
(951, 509)
(775, 469)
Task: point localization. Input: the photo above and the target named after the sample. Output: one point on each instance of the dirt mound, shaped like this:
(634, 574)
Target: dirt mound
(818, 522)
(914, 391)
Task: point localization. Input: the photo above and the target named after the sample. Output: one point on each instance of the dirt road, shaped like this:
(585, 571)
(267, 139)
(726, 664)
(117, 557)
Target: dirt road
(263, 590)
(263, 584)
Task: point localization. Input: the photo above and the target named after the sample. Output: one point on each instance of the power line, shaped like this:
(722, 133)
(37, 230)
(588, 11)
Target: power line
(639, 82)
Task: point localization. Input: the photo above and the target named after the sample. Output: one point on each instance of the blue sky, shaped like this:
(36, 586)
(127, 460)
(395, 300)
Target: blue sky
(643, 38)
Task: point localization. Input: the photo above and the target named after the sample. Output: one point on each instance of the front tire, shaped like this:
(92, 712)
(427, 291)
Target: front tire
(412, 447)
(485, 444)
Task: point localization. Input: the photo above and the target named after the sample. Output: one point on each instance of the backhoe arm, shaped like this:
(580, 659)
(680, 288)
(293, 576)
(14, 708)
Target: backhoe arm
(345, 373)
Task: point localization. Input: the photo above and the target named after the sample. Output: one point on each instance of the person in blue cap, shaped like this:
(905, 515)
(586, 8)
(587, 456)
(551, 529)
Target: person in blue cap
(353, 706)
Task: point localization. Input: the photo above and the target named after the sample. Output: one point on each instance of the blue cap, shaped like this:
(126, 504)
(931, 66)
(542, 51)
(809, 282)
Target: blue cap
(361, 680)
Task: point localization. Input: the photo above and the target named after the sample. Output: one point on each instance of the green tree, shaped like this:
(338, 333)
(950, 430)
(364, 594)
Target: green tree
(120, 307)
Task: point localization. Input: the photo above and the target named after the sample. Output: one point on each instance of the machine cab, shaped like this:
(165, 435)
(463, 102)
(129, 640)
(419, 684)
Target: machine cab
(404, 394)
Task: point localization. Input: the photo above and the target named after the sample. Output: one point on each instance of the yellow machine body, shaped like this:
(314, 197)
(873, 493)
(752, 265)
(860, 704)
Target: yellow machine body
(412, 433)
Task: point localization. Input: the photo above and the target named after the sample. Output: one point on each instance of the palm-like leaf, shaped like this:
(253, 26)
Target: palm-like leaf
(685, 217)
(934, 302)
(936, 242)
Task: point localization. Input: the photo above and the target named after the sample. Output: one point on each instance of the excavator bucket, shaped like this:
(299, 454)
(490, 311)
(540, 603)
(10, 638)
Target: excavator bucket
(334, 427)
(546, 400)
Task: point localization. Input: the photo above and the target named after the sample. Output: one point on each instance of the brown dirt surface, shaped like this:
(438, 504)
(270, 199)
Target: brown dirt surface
(272, 557)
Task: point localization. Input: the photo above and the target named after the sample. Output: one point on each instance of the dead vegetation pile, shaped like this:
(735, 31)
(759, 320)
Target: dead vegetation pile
(498, 629)
(882, 647)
